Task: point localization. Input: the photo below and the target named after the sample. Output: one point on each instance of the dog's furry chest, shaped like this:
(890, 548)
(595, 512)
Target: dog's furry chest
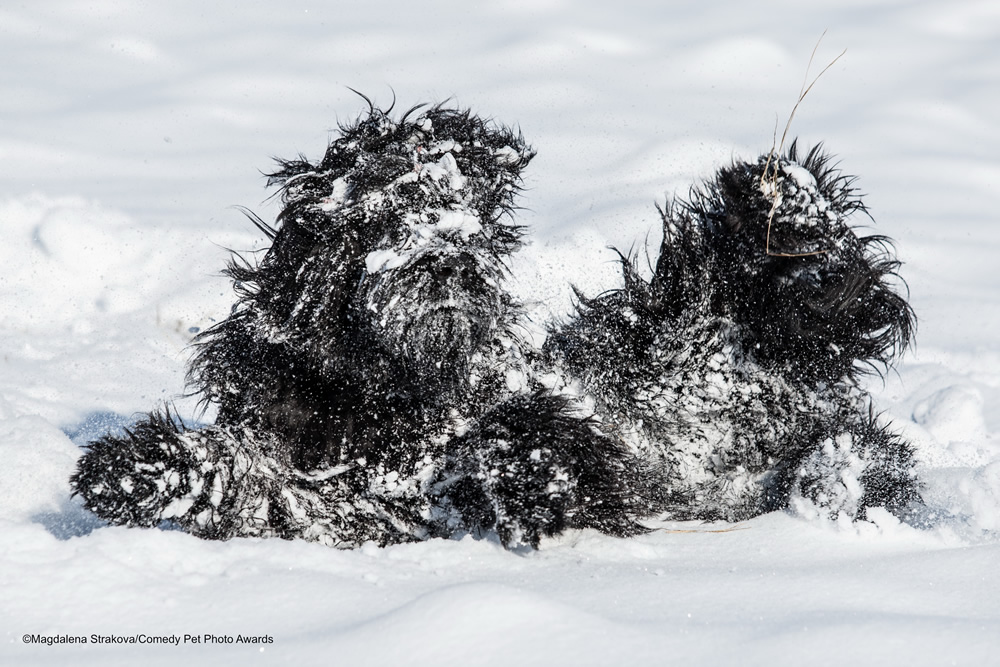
(695, 402)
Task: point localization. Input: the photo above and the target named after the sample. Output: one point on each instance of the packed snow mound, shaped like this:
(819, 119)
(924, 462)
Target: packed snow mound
(71, 263)
(36, 457)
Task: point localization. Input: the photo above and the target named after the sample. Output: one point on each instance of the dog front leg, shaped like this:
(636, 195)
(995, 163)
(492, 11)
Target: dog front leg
(206, 481)
(532, 467)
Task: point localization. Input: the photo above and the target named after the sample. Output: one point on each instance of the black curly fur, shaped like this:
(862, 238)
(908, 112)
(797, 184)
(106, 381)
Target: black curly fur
(532, 456)
(742, 354)
(372, 385)
(370, 356)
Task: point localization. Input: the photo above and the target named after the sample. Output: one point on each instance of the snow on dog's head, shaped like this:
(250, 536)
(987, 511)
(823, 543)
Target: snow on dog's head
(809, 290)
(402, 231)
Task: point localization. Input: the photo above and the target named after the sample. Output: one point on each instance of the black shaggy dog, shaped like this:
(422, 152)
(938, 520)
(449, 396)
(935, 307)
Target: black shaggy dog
(734, 371)
(372, 383)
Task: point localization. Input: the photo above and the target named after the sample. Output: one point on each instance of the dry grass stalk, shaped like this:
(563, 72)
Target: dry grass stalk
(769, 183)
(679, 531)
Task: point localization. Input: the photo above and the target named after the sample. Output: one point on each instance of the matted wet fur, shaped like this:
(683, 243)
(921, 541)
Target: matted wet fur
(736, 366)
(372, 383)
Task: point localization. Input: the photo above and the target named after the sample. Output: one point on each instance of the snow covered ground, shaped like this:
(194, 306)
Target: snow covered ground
(130, 129)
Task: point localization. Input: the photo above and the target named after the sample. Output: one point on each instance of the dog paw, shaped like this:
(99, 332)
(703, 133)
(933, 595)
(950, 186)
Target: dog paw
(158, 471)
(531, 468)
(864, 467)
(141, 478)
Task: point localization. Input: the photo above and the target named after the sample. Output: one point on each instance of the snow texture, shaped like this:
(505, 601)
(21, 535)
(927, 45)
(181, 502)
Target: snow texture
(131, 129)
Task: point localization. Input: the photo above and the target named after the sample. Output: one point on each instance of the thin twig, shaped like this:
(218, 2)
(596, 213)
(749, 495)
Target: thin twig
(773, 180)
(680, 531)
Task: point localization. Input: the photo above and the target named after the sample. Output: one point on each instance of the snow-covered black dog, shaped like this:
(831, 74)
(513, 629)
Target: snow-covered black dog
(372, 383)
(735, 369)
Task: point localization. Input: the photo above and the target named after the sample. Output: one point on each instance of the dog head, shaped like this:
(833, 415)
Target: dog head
(776, 240)
(397, 238)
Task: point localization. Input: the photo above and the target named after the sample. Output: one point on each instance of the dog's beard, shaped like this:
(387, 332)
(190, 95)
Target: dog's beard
(438, 312)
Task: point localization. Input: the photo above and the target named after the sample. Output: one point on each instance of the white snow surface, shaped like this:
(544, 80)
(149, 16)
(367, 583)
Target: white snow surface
(131, 129)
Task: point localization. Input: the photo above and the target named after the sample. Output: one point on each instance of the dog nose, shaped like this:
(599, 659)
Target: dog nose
(450, 269)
